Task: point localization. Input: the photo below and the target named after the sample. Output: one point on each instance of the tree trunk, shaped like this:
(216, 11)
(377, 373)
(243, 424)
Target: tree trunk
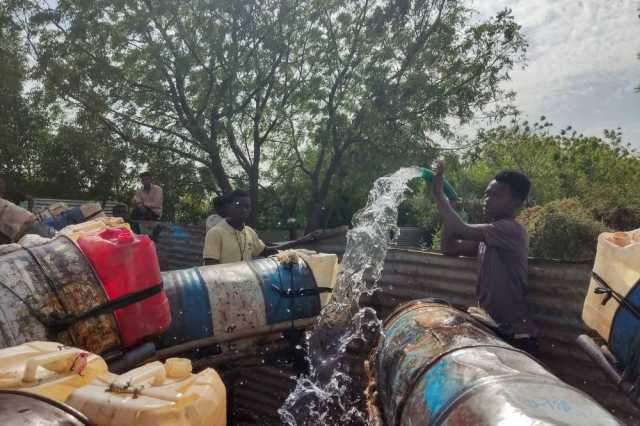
(254, 177)
(320, 193)
(317, 212)
(314, 215)
(217, 169)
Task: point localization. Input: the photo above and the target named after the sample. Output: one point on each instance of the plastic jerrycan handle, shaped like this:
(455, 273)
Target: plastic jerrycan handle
(154, 370)
(45, 361)
(451, 193)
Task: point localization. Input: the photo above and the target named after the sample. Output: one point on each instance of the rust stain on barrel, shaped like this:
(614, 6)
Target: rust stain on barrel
(463, 416)
(56, 280)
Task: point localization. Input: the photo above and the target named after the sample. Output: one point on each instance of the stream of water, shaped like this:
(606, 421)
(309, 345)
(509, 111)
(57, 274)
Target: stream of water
(329, 394)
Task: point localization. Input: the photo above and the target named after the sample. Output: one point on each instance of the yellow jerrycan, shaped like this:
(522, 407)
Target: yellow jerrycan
(155, 394)
(612, 305)
(48, 368)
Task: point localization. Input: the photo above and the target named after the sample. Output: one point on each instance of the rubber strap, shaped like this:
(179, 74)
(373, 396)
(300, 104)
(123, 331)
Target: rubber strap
(58, 324)
(303, 292)
(605, 288)
(67, 321)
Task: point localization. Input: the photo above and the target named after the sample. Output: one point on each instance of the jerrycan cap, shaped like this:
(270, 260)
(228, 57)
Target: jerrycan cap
(178, 368)
(117, 235)
(125, 236)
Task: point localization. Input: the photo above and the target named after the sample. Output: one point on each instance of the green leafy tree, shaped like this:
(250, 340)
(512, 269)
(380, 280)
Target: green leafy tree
(601, 172)
(216, 82)
(208, 81)
(23, 121)
(522, 146)
(81, 160)
(392, 73)
(42, 151)
(592, 178)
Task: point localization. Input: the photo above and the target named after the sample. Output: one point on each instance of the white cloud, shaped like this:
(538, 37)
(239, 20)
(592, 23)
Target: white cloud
(582, 62)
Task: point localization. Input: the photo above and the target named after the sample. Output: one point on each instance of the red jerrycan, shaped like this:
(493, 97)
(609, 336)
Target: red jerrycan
(127, 263)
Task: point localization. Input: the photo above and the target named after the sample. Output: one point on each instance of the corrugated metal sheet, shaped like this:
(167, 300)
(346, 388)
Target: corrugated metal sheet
(259, 392)
(335, 240)
(410, 237)
(325, 241)
(276, 235)
(178, 246)
(556, 292)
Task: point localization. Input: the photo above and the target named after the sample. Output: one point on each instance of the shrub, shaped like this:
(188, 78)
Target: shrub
(562, 229)
(616, 215)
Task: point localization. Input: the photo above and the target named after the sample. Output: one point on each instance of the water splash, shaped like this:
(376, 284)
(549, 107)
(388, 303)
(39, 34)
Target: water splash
(330, 394)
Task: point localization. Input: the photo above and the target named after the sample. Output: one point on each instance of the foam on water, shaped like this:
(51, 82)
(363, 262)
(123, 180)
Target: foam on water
(328, 395)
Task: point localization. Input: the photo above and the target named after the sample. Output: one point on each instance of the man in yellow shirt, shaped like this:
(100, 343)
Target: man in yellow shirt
(232, 240)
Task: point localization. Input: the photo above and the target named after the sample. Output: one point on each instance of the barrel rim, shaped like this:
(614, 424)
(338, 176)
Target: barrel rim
(430, 302)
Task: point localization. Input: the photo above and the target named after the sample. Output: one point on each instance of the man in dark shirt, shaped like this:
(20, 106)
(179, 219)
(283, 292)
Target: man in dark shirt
(502, 248)
(15, 197)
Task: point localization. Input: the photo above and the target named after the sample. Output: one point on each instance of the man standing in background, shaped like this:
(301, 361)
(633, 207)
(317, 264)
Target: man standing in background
(147, 203)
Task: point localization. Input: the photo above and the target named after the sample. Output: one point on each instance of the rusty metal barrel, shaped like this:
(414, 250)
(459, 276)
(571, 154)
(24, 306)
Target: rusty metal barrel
(212, 304)
(44, 282)
(436, 365)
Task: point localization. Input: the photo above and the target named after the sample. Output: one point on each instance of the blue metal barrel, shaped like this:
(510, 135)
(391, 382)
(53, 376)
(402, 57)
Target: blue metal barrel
(66, 218)
(230, 298)
(438, 366)
(624, 339)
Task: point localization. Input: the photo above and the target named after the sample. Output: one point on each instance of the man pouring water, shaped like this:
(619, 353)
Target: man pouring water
(501, 246)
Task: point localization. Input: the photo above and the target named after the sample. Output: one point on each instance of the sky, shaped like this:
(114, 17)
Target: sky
(582, 63)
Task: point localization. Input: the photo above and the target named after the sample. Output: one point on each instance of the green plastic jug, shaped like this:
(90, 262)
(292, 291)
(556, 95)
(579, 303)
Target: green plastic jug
(448, 189)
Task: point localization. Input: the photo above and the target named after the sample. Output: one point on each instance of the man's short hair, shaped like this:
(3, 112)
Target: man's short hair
(517, 181)
(236, 193)
(144, 174)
